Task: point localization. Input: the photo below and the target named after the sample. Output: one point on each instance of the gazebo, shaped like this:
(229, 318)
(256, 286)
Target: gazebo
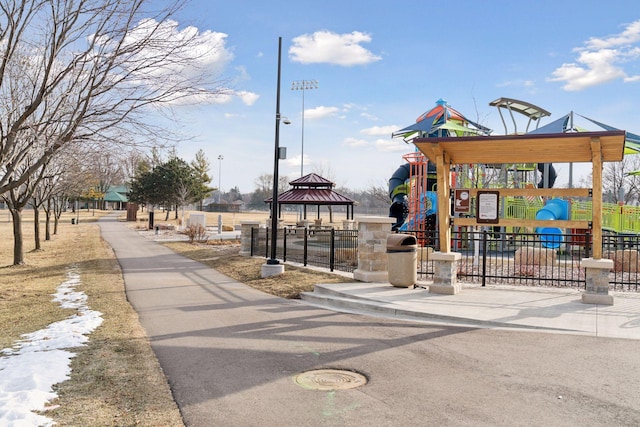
(313, 190)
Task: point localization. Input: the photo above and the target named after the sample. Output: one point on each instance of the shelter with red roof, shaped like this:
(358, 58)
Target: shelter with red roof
(316, 191)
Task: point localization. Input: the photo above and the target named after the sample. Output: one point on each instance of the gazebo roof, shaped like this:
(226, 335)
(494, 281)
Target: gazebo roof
(312, 189)
(312, 180)
(312, 196)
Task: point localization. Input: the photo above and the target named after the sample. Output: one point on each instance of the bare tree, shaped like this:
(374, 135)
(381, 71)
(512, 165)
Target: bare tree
(617, 184)
(83, 72)
(87, 74)
(16, 199)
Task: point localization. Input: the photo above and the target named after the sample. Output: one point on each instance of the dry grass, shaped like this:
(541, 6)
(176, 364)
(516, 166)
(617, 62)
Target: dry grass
(226, 260)
(116, 379)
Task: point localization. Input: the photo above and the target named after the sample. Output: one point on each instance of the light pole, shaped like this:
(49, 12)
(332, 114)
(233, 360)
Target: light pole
(220, 157)
(276, 160)
(303, 85)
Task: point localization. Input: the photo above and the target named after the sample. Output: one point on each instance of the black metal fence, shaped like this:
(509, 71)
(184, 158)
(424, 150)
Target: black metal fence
(321, 247)
(488, 256)
(532, 259)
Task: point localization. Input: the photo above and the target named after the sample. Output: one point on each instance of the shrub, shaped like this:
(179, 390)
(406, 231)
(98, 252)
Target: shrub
(196, 233)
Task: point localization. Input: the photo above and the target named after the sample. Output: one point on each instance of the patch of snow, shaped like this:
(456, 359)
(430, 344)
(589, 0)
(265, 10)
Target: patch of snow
(30, 369)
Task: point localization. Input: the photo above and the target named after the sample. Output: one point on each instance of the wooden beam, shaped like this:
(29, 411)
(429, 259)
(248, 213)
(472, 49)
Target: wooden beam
(535, 192)
(443, 177)
(530, 148)
(527, 223)
(596, 201)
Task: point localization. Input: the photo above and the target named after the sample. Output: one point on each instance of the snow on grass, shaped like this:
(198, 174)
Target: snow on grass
(41, 359)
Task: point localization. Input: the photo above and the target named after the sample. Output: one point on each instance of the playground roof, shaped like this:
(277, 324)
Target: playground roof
(565, 124)
(540, 148)
(442, 116)
(532, 111)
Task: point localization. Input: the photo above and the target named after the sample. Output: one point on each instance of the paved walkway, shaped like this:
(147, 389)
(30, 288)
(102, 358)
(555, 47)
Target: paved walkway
(231, 354)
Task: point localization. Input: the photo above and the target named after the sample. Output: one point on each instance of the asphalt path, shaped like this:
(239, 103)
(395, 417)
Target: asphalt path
(231, 355)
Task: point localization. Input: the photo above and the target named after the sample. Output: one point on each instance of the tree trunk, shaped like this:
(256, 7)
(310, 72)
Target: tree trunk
(166, 217)
(36, 228)
(18, 248)
(47, 225)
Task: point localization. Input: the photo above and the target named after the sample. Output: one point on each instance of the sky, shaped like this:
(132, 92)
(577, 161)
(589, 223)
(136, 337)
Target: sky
(30, 368)
(381, 64)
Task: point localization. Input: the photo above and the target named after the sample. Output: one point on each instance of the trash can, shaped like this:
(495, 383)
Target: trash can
(73, 220)
(402, 260)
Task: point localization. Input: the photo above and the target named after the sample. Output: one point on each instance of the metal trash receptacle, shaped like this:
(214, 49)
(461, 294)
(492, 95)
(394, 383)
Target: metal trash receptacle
(402, 260)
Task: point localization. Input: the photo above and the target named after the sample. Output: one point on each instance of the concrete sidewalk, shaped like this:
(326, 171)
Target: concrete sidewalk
(540, 309)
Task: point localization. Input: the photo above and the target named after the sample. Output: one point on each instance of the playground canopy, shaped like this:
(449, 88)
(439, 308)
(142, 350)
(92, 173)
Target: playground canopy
(565, 124)
(441, 121)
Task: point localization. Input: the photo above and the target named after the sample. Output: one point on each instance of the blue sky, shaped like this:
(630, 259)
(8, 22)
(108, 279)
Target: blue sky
(380, 64)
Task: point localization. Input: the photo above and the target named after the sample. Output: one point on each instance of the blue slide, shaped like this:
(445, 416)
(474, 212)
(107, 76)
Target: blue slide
(398, 193)
(554, 209)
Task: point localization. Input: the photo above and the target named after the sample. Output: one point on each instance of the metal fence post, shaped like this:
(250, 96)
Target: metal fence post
(332, 250)
(284, 244)
(484, 257)
(252, 241)
(305, 251)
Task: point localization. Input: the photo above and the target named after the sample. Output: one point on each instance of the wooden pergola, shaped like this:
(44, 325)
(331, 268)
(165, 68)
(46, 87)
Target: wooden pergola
(586, 147)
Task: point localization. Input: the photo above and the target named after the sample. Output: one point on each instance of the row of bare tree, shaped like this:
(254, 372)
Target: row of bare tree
(84, 82)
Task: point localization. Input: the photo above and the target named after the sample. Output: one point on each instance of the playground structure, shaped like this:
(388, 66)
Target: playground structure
(527, 197)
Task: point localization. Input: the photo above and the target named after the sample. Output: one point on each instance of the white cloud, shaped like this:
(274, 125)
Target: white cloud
(320, 112)
(163, 54)
(601, 60)
(331, 48)
(355, 143)
(380, 130)
(248, 98)
(294, 161)
(630, 35)
(369, 116)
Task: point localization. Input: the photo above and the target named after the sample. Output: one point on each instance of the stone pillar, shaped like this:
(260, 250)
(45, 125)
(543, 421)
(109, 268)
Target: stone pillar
(445, 277)
(245, 236)
(348, 224)
(372, 248)
(597, 278)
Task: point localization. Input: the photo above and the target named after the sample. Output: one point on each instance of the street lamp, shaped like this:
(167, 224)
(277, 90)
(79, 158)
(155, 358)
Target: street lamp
(220, 157)
(273, 266)
(303, 85)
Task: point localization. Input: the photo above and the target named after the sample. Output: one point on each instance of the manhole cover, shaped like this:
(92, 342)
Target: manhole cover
(330, 379)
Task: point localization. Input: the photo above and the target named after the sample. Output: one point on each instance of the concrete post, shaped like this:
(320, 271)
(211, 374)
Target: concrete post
(372, 248)
(245, 236)
(348, 224)
(597, 278)
(445, 277)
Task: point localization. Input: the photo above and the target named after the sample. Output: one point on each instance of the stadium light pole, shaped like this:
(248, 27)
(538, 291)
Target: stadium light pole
(303, 85)
(220, 157)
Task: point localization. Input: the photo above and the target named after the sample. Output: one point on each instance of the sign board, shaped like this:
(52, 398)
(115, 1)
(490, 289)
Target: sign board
(462, 201)
(487, 207)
